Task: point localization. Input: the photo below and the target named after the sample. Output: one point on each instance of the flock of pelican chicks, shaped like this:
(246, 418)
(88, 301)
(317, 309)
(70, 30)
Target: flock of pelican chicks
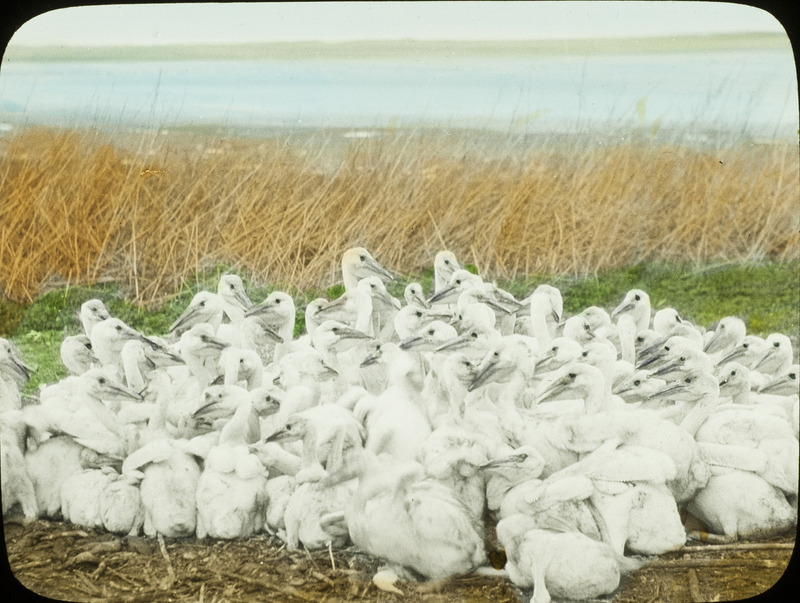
(404, 428)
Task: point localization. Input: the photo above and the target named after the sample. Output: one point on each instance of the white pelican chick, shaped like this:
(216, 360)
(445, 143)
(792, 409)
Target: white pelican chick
(410, 521)
(231, 490)
(565, 565)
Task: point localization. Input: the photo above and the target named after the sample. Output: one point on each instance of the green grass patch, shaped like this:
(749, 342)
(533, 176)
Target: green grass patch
(766, 295)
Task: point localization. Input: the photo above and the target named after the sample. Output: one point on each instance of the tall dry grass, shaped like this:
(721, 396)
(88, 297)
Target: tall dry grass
(150, 211)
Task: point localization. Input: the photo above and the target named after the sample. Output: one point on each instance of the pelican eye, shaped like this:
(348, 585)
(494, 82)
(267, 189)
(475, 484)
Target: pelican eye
(277, 301)
(447, 262)
(745, 345)
(119, 328)
(586, 326)
(777, 344)
(733, 373)
(793, 376)
(682, 359)
(233, 286)
(637, 297)
(637, 382)
(688, 380)
(585, 354)
(573, 375)
(101, 381)
(431, 331)
(458, 282)
(202, 304)
(666, 348)
(419, 313)
(88, 345)
(474, 335)
(640, 339)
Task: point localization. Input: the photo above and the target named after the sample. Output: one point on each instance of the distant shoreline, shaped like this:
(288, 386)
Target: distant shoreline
(399, 48)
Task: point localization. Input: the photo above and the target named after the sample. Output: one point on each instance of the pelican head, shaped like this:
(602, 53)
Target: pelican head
(357, 263)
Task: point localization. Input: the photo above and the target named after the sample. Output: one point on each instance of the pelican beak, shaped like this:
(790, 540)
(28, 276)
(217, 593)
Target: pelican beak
(185, 319)
(262, 308)
(761, 359)
(667, 368)
(778, 384)
(371, 359)
(420, 300)
(349, 333)
(733, 355)
(329, 371)
(268, 331)
(411, 342)
(243, 300)
(284, 433)
(442, 294)
(555, 389)
(334, 304)
(20, 367)
(385, 298)
(492, 303)
(622, 308)
(119, 391)
(544, 359)
(153, 345)
(714, 343)
(375, 267)
(214, 343)
(455, 343)
(485, 373)
(505, 461)
(668, 390)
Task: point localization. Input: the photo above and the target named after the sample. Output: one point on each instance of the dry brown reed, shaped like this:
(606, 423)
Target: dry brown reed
(152, 210)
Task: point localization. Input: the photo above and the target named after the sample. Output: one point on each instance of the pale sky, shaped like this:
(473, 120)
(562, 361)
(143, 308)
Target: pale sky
(149, 24)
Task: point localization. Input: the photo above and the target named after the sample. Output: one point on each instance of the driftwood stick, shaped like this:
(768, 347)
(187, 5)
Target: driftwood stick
(708, 564)
(170, 570)
(738, 546)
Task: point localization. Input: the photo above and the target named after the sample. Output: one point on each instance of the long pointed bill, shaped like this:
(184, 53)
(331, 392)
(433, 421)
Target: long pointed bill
(786, 385)
(737, 352)
(349, 333)
(668, 390)
(379, 270)
(763, 358)
(622, 308)
(456, 343)
(22, 369)
(556, 389)
(186, 319)
(118, 391)
(505, 461)
(411, 342)
(667, 368)
(332, 305)
(243, 299)
(370, 360)
(485, 374)
(284, 433)
(443, 294)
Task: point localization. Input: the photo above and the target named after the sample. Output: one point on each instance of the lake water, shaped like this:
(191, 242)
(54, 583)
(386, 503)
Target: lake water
(748, 92)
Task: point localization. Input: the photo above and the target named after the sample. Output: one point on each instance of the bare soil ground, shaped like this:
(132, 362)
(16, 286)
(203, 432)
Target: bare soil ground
(59, 561)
